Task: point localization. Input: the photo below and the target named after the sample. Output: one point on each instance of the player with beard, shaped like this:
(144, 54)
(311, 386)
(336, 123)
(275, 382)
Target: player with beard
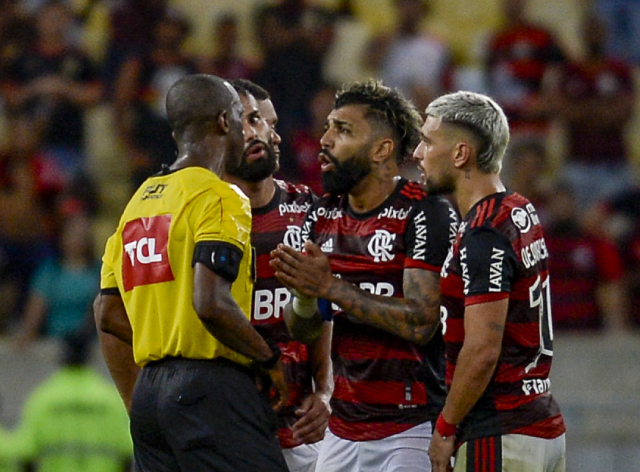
(374, 246)
(499, 414)
(278, 209)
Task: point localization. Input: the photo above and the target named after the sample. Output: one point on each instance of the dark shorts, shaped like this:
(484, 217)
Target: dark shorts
(197, 415)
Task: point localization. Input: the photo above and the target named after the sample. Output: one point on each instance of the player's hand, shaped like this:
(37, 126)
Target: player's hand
(278, 379)
(314, 416)
(440, 452)
(308, 272)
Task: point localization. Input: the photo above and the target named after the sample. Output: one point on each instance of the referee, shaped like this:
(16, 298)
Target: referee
(176, 285)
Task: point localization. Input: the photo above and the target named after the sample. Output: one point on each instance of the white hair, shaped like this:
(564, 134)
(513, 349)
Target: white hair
(480, 115)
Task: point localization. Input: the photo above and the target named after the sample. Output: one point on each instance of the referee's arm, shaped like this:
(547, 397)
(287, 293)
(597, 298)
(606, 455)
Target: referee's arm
(115, 335)
(223, 317)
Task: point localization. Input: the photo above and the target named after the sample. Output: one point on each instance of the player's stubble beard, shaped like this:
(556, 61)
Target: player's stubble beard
(346, 175)
(260, 169)
(444, 186)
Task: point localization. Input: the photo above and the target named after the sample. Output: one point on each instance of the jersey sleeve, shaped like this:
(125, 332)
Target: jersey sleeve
(431, 230)
(107, 275)
(221, 217)
(489, 266)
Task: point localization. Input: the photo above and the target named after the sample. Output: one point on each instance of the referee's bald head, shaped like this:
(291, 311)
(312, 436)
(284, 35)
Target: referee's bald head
(197, 98)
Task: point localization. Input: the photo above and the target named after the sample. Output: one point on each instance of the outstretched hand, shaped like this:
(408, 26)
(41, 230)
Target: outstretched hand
(308, 272)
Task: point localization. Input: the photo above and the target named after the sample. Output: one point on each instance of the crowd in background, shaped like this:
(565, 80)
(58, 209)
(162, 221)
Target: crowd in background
(49, 193)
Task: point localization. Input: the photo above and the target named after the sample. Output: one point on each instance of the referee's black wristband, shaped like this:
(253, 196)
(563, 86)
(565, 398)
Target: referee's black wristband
(273, 360)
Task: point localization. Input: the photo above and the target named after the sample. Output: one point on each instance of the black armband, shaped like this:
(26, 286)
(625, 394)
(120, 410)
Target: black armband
(110, 291)
(220, 257)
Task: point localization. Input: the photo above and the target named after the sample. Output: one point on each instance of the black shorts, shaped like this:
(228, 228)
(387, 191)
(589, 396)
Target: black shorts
(198, 415)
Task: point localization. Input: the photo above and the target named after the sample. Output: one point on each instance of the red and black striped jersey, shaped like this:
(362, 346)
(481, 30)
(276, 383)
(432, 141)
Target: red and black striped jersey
(499, 253)
(518, 58)
(383, 384)
(279, 222)
(581, 263)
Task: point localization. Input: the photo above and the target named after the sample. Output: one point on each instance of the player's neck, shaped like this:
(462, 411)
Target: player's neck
(260, 193)
(474, 187)
(371, 192)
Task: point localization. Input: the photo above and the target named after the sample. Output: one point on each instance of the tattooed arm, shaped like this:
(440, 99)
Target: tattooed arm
(414, 317)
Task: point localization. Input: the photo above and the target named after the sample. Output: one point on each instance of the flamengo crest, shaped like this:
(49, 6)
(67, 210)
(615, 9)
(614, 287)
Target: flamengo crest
(381, 245)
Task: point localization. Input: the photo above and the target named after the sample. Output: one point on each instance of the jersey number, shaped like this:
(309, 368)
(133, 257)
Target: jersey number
(540, 298)
(444, 314)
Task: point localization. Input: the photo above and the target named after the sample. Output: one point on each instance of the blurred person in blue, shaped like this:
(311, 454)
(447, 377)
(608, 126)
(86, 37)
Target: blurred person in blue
(63, 287)
(622, 18)
(73, 421)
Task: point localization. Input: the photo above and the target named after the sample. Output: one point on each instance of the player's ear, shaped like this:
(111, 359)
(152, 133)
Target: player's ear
(462, 154)
(223, 121)
(383, 150)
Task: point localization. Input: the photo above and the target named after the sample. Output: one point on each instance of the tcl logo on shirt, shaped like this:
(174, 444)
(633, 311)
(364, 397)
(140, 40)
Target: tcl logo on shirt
(146, 260)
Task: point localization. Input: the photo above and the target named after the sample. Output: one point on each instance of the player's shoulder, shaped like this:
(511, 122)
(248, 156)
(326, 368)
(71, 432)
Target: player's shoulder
(507, 212)
(411, 190)
(415, 192)
(294, 191)
(200, 182)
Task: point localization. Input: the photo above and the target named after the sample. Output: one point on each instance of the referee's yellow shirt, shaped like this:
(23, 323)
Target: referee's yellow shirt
(149, 258)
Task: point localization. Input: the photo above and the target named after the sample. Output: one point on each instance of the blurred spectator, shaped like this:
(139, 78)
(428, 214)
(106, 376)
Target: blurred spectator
(620, 217)
(16, 29)
(595, 100)
(29, 185)
(622, 18)
(344, 60)
(410, 59)
(587, 272)
(526, 171)
(131, 29)
(63, 288)
(55, 83)
(293, 39)
(141, 88)
(306, 140)
(74, 420)
(226, 61)
(521, 56)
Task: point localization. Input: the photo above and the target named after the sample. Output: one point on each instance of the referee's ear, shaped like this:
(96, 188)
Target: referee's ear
(223, 121)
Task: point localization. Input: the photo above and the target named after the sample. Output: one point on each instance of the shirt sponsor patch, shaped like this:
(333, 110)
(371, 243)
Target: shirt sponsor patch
(145, 258)
(521, 219)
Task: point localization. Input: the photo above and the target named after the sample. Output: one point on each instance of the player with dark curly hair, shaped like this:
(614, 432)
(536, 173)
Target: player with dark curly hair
(368, 258)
